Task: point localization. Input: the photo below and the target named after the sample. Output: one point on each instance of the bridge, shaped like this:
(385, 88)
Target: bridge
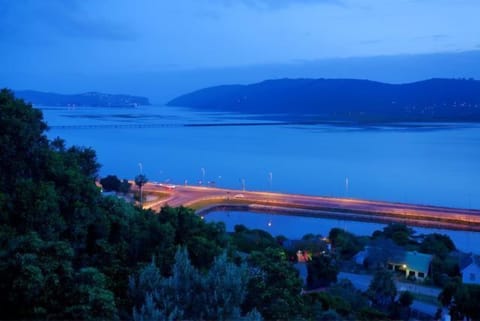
(207, 199)
(169, 125)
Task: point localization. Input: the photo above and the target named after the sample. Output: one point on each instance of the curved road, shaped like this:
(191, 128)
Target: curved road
(206, 199)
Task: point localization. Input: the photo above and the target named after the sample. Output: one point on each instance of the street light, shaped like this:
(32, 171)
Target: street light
(141, 167)
(243, 184)
(203, 174)
(270, 179)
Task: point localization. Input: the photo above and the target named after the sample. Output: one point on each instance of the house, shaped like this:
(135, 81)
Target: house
(414, 264)
(377, 256)
(471, 270)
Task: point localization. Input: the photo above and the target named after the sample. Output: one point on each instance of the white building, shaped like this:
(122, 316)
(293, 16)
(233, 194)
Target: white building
(471, 271)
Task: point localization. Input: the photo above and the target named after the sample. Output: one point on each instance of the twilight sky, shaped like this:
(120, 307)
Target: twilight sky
(135, 36)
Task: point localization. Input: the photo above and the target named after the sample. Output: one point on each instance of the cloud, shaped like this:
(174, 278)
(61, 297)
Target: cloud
(371, 42)
(276, 4)
(43, 21)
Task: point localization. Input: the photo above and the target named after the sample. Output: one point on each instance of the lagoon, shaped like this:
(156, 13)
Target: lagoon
(430, 164)
(435, 164)
(294, 227)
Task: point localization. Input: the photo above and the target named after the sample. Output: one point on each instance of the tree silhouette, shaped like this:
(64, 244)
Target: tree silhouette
(382, 289)
(141, 180)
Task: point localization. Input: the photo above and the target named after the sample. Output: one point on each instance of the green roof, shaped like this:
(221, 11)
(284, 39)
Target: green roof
(415, 261)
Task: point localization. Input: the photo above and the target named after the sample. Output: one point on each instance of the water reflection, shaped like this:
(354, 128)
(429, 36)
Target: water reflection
(294, 227)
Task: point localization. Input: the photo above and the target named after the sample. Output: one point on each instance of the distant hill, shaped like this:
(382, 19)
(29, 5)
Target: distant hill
(345, 99)
(93, 99)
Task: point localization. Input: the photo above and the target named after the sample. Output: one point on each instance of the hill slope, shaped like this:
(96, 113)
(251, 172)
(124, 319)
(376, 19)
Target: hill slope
(434, 99)
(93, 99)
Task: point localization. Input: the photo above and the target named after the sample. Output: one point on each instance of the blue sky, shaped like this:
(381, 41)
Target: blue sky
(137, 36)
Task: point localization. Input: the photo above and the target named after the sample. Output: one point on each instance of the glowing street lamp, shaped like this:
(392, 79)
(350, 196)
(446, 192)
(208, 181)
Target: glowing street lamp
(346, 186)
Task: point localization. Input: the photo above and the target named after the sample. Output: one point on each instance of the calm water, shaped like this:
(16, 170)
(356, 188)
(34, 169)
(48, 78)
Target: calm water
(294, 227)
(425, 165)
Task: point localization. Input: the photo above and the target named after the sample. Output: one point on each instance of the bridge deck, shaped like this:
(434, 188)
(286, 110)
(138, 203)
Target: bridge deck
(206, 199)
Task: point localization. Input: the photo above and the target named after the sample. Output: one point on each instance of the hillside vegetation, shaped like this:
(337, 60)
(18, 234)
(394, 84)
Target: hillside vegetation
(91, 99)
(345, 99)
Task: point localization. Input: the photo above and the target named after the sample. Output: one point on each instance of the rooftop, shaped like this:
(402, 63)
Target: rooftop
(415, 261)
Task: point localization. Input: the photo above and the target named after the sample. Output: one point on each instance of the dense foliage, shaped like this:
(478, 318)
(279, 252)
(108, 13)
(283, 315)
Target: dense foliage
(345, 243)
(67, 252)
(189, 294)
(112, 183)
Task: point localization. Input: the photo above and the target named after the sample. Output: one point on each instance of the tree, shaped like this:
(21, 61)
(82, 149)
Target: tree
(399, 233)
(33, 274)
(141, 180)
(189, 294)
(111, 183)
(23, 144)
(203, 240)
(224, 289)
(93, 301)
(349, 293)
(466, 301)
(274, 287)
(345, 243)
(448, 291)
(406, 299)
(66, 252)
(248, 240)
(86, 160)
(382, 289)
(322, 271)
(148, 281)
(329, 315)
(437, 244)
(462, 300)
(125, 186)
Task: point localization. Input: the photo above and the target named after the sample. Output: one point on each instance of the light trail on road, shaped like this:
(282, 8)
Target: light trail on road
(205, 199)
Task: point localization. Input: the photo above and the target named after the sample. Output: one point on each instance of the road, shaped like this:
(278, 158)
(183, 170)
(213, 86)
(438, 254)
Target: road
(362, 282)
(205, 199)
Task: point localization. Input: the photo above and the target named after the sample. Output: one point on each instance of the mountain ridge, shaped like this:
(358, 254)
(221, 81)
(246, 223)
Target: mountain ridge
(435, 99)
(91, 98)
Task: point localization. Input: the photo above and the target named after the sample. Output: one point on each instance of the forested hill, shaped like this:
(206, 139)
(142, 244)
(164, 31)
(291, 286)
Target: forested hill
(94, 99)
(345, 99)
